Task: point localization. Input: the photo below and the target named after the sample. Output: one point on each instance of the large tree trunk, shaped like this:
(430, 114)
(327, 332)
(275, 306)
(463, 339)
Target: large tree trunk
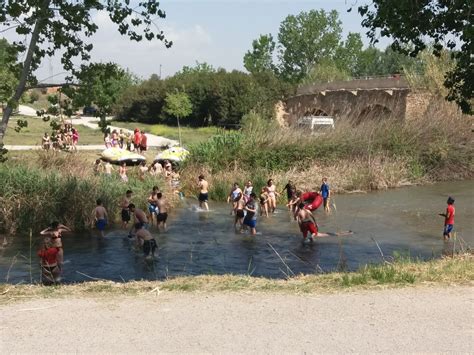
(42, 16)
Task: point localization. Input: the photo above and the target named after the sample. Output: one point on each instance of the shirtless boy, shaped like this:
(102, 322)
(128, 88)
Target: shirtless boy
(307, 223)
(124, 205)
(139, 215)
(162, 215)
(203, 192)
(100, 217)
(108, 169)
(153, 203)
(240, 203)
(146, 240)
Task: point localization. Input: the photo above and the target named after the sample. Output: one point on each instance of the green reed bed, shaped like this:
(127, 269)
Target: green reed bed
(31, 197)
(372, 155)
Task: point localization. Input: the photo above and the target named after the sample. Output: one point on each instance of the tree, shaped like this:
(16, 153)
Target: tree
(260, 59)
(179, 106)
(101, 85)
(305, 40)
(8, 80)
(51, 26)
(348, 53)
(414, 24)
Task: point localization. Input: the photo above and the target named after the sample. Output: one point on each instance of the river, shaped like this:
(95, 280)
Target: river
(395, 221)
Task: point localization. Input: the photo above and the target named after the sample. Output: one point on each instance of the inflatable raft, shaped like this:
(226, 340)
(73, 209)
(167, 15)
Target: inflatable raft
(173, 154)
(119, 156)
(312, 200)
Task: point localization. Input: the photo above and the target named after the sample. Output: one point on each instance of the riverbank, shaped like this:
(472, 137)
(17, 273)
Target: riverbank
(448, 271)
(374, 155)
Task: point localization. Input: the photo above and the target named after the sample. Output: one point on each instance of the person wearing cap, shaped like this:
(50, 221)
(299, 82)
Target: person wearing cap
(448, 219)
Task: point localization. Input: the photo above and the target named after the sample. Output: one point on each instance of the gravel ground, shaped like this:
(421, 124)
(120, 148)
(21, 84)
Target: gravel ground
(428, 320)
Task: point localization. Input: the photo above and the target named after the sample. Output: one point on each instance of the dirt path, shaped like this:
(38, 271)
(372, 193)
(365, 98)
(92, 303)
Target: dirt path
(405, 320)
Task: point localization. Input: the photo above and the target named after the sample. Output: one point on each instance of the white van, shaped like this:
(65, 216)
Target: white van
(315, 123)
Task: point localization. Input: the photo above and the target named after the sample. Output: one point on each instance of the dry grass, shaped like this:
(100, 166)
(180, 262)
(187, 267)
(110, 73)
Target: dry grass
(443, 272)
(371, 156)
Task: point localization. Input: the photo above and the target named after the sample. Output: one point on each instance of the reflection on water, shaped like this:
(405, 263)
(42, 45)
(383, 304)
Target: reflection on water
(206, 243)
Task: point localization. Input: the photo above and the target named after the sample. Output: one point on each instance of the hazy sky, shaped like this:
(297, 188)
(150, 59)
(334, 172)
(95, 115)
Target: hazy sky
(218, 32)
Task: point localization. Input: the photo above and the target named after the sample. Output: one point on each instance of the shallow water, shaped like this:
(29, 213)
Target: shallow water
(402, 220)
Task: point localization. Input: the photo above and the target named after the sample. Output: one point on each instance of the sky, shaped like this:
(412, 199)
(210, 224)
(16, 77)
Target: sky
(218, 32)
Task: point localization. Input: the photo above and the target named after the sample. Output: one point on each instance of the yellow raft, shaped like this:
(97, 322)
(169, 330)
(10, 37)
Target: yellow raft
(120, 156)
(173, 154)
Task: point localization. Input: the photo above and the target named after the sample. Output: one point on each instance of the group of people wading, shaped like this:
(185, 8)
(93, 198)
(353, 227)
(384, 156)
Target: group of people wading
(245, 205)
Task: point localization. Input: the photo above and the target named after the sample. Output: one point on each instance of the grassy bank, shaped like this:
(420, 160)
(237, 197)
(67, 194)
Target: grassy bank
(32, 134)
(189, 135)
(443, 272)
(60, 186)
(371, 156)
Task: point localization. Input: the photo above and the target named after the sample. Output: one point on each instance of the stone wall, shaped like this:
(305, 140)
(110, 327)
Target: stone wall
(352, 105)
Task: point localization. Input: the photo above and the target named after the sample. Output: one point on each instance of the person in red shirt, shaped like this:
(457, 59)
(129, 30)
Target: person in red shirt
(50, 271)
(143, 142)
(137, 138)
(448, 219)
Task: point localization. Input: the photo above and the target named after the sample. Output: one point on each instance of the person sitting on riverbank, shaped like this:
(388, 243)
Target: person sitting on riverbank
(203, 192)
(50, 271)
(307, 222)
(448, 219)
(55, 232)
(145, 240)
(100, 217)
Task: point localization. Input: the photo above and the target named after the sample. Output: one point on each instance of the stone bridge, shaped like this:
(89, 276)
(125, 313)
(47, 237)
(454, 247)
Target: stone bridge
(358, 100)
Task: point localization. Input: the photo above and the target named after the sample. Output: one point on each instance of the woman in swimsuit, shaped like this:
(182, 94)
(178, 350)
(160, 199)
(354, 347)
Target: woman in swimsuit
(272, 195)
(264, 201)
(55, 233)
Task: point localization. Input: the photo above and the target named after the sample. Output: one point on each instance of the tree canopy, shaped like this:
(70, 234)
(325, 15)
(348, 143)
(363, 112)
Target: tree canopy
(438, 24)
(178, 105)
(47, 27)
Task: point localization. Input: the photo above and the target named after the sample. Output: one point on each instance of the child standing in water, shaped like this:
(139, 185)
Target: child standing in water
(203, 192)
(50, 271)
(100, 217)
(325, 194)
(448, 219)
(250, 219)
(55, 233)
(146, 240)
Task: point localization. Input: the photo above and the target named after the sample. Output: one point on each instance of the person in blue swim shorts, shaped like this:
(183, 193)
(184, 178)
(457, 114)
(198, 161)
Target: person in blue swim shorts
(100, 217)
(250, 219)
